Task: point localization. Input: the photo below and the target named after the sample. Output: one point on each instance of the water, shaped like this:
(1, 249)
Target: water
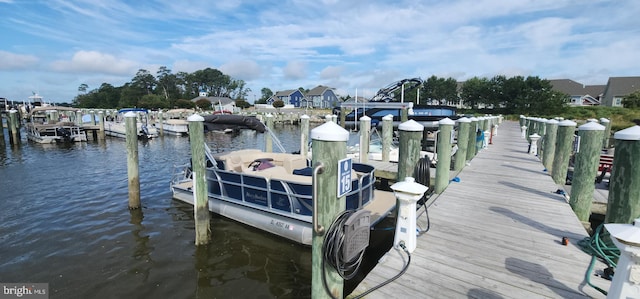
(65, 221)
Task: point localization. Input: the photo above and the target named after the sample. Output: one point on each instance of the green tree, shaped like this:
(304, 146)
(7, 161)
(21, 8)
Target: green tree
(242, 104)
(278, 104)
(476, 91)
(632, 100)
(182, 103)
(203, 104)
(83, 88)
(266, 94)
(440, 91)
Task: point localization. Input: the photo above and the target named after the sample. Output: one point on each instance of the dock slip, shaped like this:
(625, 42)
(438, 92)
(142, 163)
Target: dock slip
(497, 233)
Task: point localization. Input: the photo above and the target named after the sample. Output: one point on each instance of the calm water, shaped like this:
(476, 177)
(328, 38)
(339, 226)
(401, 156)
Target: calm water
(65, 221)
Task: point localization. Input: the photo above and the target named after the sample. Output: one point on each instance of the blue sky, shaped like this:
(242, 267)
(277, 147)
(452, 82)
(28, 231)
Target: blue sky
(53, 46)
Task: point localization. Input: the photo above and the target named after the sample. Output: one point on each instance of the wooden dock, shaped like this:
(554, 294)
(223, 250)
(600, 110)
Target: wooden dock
(497, 233)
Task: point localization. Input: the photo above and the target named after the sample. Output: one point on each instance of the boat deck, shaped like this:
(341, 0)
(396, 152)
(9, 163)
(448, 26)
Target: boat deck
(495, 234)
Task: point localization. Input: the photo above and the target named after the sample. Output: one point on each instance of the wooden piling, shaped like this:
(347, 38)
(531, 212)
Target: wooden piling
(101, 134)
(329, 142)
(586, 169)
(2, 128)
(387, 136)
(13, 127)
(404, 115)
(160, 121)
(550, 137)
(443, 166)
(268, 141)
(409, 148)
(365, 130)
(200, 197)
(473, 129)
(304, 134)
(564, 146)
(132, 159)
(342, 117)
(623, 204)
(464, 125)
(607, 132)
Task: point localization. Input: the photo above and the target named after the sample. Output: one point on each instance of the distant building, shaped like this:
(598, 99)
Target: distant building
(293, 97)
(618, 88)
(217, 103)
(321, 97)
(580, 94)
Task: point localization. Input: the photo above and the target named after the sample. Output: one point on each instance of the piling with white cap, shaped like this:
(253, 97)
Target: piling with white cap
(564, 145)
(623, 204)
(585, 169)
(444, 145)
(200, 188)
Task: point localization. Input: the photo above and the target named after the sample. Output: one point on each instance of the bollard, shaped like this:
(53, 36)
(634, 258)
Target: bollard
(471, 147)
(627, 277)
(607, 132)
(161, 123)
(304, 135)
(564, 144)
(342, 117)
(78, 120)
(585, 169)
(464, 125)
(533, 144)
(365, 130)
(132, 159)
(404, 115)
(268, 141)
(387, 136)
(522, 122)
(14, 138)
(549, 151)
(102, 134)
(523, 130)
(198, 165)
(329, 142)
(623, 204)
(443, 165)
(409, 148)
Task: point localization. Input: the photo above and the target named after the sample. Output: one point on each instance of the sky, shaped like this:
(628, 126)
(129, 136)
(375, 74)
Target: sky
(51, 47)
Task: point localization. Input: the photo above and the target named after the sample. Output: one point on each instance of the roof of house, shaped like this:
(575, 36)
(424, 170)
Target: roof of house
(285, 93)
(622, 86)
(318, 90)
(567, 86)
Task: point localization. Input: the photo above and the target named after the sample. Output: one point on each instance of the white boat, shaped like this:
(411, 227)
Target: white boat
(175, 122)
(115, 126)
(52, 124)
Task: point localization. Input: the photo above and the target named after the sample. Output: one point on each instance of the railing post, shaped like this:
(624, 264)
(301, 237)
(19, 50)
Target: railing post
(329, 143)
(586, 169)
(473, 133)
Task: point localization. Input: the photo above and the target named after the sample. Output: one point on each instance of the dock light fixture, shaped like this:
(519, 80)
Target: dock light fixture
(408, 192)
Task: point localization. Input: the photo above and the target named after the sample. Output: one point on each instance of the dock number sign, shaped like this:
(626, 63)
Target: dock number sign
(344, 176)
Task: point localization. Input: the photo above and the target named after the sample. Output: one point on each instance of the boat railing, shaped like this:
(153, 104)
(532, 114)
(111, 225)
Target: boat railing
(275, 139)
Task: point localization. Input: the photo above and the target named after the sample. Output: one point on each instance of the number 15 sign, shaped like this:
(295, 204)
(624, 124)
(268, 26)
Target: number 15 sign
(344, 176)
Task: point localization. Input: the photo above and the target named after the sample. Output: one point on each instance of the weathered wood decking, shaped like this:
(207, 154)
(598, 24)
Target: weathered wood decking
(495, 234)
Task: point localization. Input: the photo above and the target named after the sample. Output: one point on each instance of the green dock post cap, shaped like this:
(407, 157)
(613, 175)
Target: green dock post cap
(195, 117)
(330, 131)
(631, 133)
(591, 126)
(446, 121)
(566, 123)
(463, 120)
(411, 126)
(129, 114)
(388, 117)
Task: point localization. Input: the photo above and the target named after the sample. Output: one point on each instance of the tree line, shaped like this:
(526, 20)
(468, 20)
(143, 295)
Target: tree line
(164, 90)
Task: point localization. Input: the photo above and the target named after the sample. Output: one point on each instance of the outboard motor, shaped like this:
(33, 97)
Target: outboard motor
(64, 133)
(144, 133)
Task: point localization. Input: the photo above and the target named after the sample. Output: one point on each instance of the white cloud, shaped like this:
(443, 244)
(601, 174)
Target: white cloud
(96, 62)
(12, 61)
(331, 72)
(295, 70)
(245, 70)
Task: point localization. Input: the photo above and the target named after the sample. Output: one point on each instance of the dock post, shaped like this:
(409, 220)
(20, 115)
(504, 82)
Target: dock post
(607, 132)
(13, 127)
(542, 129)
(329, 142)
(471, 147)
(564, 144)
(160, 121)
(586, 169)
(101, 134)
(200, 197)
(304, 135)
(93, 117)
(549, 151)
(365, 130)
(464, 125)
(132, 159)
(409, 148)
(443, 166)
(268, 141)
(78, 120)
(404, 115)
(623, 204)
(2, 129)
(387, 136)
(342, 117)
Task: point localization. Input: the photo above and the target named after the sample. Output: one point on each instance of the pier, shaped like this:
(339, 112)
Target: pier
(497, 233)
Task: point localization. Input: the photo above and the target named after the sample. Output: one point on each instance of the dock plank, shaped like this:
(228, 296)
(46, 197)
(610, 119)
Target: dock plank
(495, 234)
